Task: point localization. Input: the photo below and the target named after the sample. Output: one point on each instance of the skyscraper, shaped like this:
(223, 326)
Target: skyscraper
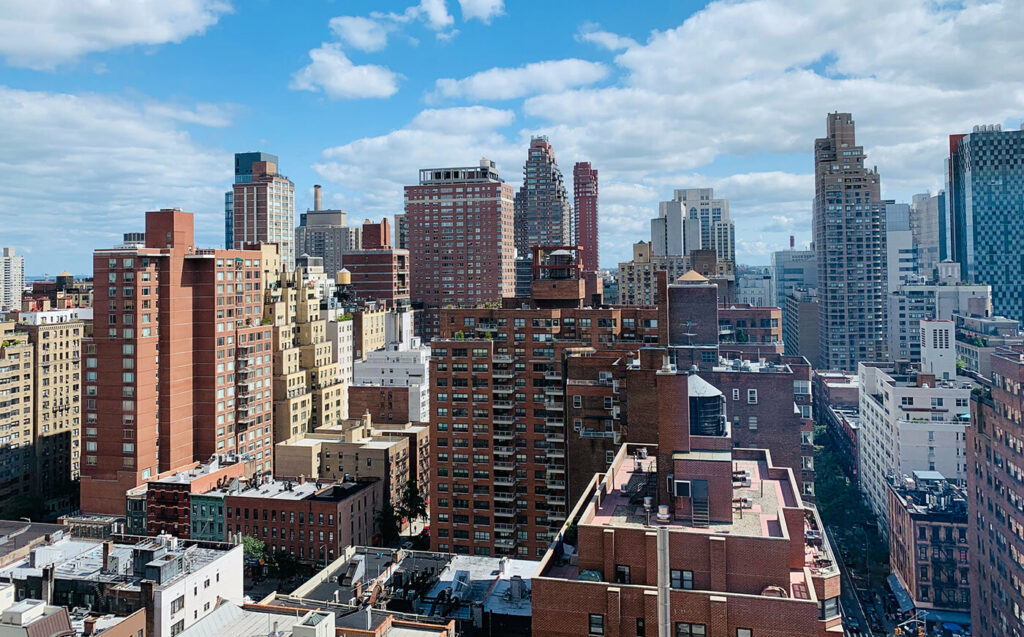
(986, 178)
(178, 367)
(542, 209)
(12, 279)
(461, 252)
(849, 240)
(325, 234)
(926, 223)
(585, 218)
(263, 206)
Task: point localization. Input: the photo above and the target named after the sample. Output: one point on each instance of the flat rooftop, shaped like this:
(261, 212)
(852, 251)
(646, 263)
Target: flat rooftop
(760, 519)
(17, 534)
(295, 490)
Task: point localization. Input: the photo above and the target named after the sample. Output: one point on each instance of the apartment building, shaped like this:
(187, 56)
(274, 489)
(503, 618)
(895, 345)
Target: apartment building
(378, 271)
(403, 364)
(262, 206)
(909, 421)
(178, 366)
(16, 414)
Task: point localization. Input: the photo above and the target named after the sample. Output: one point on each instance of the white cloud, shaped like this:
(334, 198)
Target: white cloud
(44, 33)
(744, 87)
(509, 83)
(436, 15)
(483, 10)
(365, 34)
(333, 73)
(92, 165)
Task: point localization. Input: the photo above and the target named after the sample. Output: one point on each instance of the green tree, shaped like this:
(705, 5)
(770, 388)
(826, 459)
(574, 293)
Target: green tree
(412, 506)
(254, 549)
(388, 523)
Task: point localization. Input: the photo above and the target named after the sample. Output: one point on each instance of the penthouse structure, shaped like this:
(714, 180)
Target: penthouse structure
(172, 371)
(263, 206)
(994, 455)
(688, 536)
(462, 251)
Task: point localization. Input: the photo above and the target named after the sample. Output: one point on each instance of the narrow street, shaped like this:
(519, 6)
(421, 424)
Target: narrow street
(851, 603)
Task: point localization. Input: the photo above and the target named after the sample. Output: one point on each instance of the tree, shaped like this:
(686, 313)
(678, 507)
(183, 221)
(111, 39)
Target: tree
(412, 505)
(254, 550)
(387, 523)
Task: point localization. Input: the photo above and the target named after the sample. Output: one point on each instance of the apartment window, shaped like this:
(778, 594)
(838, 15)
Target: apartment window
(621, 574)
(177, 627)
(752, 396)
(596, 624)
(752, 423)
(736, 394)
(577, 402)
(686, 629)
(177, 604)
(641, 629)
(744, 632)
(682, 579)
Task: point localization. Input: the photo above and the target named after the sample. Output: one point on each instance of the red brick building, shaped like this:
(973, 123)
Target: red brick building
(310, 520)
(585, 217)
(176, 353)
(995, 491)
(378, 271)
(750, 328)
(461, 250)
(385, 404)
(688, 536)
(168, 499)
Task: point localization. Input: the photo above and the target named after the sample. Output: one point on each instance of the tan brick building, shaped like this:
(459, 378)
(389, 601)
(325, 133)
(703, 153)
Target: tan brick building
(16, 414)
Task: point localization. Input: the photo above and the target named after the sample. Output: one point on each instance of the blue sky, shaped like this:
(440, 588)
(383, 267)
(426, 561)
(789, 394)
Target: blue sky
(113, 108)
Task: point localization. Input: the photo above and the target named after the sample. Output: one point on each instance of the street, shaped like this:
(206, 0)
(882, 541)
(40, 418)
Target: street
(852, 605)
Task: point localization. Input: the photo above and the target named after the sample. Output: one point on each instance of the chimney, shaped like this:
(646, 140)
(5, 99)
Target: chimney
(106, 554)
(89, 626)
(148, 603)
(792, 242)
(317, 198)
(47, 584)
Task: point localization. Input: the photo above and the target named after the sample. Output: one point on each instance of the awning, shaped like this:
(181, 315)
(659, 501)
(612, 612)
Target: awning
(906, 604)
(947, 617)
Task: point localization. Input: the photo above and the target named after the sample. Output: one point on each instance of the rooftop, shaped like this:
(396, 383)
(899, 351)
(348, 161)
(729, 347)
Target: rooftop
(17, 534)
(299, 490)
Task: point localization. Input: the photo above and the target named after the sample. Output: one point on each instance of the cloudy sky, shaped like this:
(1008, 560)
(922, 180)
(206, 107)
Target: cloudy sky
(109, 108)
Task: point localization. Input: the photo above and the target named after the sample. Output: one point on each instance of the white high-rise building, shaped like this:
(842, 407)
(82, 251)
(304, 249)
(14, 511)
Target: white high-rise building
(910, 421)
(693, 220)
(12, 279)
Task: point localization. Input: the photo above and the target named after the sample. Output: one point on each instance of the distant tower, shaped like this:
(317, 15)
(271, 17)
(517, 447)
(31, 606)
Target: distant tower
(850, 246)
(263, 206)
(543, 215)
(12, 279)
(585, 218)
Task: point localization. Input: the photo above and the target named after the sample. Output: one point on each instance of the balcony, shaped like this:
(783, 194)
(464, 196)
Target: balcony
(504, 527)
(557, 500)
(504, 451)
(504, 466)
(556, 516)
(503, 358)
(503, 389)
(504, 435)
(553, 406)
(553, 375)
(554, 422)
(556, 453)
(556, 484)
(504, 481)
(555, 469)
(504, 420)
(503, 373)
(505, 542)
(503, 496)
(504, 512)
(503, 404)
(554, 437)
(552, 390)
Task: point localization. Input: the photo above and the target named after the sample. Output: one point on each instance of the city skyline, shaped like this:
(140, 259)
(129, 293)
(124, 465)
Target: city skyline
(158, 110)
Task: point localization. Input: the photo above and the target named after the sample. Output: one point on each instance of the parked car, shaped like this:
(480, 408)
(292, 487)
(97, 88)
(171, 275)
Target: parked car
(852, 624)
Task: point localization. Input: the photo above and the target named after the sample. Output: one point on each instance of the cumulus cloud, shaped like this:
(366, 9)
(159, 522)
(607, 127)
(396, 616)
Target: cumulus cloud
(45, 33)
(365, 34)
(332, 72)
(103, 162)
(743, 87)
(483, 10)
(509, 83)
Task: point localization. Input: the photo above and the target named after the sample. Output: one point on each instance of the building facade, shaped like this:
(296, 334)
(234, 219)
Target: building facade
(171, 371)
(403, 363)
(543, 212)
(264, 206)
(909, 421)
(323, 233)
(978, 337)
(849, 244)
(378, 272)
(994, 491)
(462, 252)
(986, 173)
(16, 412)
(585, 214)
(801, 324)
(12, 279)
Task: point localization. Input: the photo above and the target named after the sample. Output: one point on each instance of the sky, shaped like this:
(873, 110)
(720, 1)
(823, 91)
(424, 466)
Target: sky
(110, 108)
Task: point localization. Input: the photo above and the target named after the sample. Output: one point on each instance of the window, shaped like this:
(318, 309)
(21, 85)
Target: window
(178, 604)
(828, 608)
(752, 423)
(752, 396)
(621, 574)
(736, 394)
(682, 579)
(596, 624)
(685, 629)
(177, 627)
(641, 629)
(744, 632)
